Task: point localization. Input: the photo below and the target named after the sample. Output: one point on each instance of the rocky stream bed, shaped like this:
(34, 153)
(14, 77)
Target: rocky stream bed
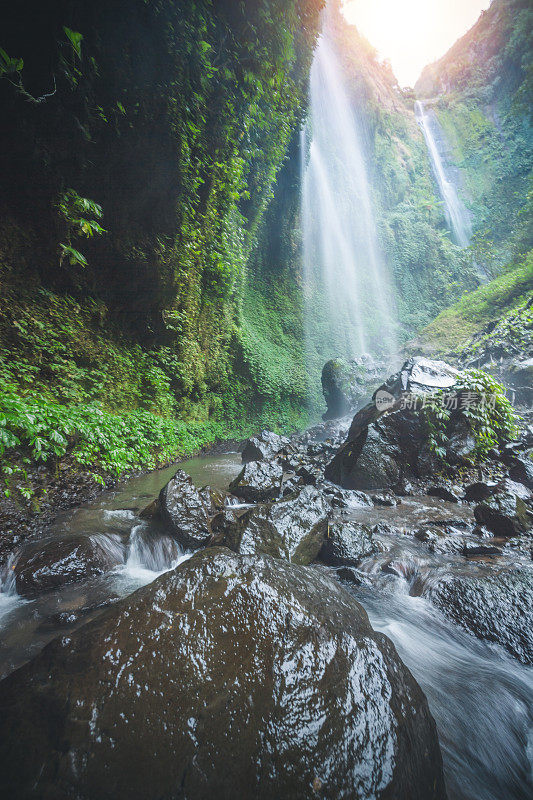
(325, 615)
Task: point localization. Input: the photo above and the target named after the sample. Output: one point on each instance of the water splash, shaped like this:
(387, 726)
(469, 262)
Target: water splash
(457, 214)
(346, 282)
(151, 553)
(9, 599)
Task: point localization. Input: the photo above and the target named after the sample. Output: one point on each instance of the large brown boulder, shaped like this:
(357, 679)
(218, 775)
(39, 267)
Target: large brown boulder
(228, 677)
(44, 565)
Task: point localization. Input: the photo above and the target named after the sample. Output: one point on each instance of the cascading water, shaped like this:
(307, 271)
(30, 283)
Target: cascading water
(456, 212)
(347, 286)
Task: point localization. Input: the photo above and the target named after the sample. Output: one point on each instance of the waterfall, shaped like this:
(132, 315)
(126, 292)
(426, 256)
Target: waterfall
(347, 289)
(456, 213)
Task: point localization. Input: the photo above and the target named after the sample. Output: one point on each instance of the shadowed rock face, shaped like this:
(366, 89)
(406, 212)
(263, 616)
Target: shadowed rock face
(231, 676)
(505, 514)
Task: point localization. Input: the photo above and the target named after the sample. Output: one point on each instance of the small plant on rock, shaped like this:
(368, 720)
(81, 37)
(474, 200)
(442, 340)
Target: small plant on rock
(482, 401)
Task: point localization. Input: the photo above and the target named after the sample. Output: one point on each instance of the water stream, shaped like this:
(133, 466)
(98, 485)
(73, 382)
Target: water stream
(145, 551)
(457, 214)
(343, 265)
(481, 699)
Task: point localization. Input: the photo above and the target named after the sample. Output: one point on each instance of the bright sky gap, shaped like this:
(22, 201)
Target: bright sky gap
(413, 33)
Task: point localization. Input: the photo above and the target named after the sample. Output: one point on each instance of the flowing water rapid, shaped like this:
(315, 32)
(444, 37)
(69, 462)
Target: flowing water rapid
(481, 699)
(344, 270)
(457, 214)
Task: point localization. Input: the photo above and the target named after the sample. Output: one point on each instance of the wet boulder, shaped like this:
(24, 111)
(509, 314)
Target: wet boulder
(475, 551)
(346, 544)
(377, 466)
(382, 454)
(228, 677)
(504, 514)
(386, 499)
(193, 515)
(496, 606)
(521, 471)
(443, 493)
(441, 539)
(425, 375)
(293, 528)
(438, 540)
(352, 576)
(41, 566)
(336, 380)
(479, 491)
(372, 462)
(518, 489)
(259, 481)
(346, 498)
(263, 447)
(388, 439)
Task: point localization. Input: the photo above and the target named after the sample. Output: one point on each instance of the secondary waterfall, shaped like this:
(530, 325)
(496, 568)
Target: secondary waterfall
(347, 287)
(456, 213)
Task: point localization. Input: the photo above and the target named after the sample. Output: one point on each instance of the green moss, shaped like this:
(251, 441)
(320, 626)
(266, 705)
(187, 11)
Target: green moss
(451, 331)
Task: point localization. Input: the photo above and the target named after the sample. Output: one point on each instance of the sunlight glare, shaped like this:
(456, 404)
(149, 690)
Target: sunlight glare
(412, 33)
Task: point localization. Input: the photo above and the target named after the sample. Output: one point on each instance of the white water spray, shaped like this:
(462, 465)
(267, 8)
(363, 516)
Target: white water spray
(456, 213)
(342, 262)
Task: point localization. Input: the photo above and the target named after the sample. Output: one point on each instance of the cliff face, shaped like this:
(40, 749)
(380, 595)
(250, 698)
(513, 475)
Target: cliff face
(481, 93)
(175, 118)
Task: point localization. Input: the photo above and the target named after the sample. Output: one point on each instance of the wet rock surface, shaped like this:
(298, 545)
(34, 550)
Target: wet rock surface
(194, 515)
(497, 607)
(231, 676)
(263, 447)
(443, 492)
(345, 384)
(259, 481)
(41, 566)
(375, 447)
(521, 471)
(478, 491)
(346, 544)
(504, 514)
(293, 528)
